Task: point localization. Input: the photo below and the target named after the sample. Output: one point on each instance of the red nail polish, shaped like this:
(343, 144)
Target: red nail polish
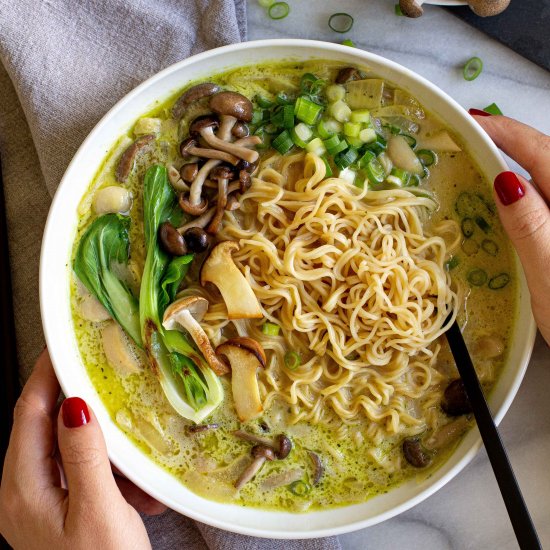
(508, 188)
(478, 112)
(75, 412)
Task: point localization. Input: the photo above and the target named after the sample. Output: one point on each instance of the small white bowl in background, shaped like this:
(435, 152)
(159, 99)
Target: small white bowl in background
(56, 314)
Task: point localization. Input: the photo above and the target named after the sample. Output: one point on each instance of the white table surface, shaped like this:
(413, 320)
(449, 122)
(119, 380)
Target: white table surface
(468, 513)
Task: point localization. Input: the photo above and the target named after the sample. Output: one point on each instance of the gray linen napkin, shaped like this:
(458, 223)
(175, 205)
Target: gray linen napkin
(64, 64)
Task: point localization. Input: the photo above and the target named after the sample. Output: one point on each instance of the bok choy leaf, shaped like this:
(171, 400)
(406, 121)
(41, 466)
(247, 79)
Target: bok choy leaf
(191, 387)
(103, 246)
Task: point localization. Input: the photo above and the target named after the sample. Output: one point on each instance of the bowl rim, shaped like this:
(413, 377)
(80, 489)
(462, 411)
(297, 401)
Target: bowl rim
(56, 354)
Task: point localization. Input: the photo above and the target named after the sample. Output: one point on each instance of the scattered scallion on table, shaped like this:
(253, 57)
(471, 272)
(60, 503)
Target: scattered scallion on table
(278, 10)
(493, 109)
(265, 3)
(472, 69)
(398, 10)
(340, 22)
(349, 43)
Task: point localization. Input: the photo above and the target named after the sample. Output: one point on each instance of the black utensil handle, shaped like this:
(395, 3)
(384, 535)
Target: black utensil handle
(517, 510)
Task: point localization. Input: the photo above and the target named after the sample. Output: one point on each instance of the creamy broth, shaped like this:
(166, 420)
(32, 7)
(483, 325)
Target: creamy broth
(360, 459)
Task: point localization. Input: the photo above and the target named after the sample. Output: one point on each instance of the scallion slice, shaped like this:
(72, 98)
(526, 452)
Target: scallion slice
(499, 281)
(361, 115)
(292, 360)
(340, 22)
(265, 3)
(338, 148)
(335, 92)
(468, 227)
(340, 111)
(282, 144)
(299, 488)
(270, 329)
(375, 172)
(346, 159)
(451, 263)
(409, 139)
(365, 159)
(348, 42)
(472, 69)
(352, 129)
(278, 10)
(328, 172)
(426, 156)
(311, 85)
(398, 10)
(494, 109)
(489, 246)
(367, 135)
(378, 146)
(263, 103)
(477, 277)
(327, 128)
(288, 116)
(306, 110)
(316, 147)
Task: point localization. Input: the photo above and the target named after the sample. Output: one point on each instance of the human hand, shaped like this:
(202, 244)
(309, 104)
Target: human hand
(523, 206)
(36, 511)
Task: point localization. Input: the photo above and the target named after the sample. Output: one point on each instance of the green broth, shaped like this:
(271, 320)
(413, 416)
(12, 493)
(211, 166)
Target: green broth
(209, 462)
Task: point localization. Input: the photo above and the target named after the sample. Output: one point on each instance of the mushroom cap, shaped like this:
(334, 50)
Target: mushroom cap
(186, 144)
(411, 8)
(222, 172)
(248, 344)
(346, 74)
(487, 8)
(187, 207)
(197, 306)
(188, 172)
(204, 89)
(285, 446)
(263, 451)
(245, 181)
(201, 123)
(171, 241)
(240, 130)
(232, 104)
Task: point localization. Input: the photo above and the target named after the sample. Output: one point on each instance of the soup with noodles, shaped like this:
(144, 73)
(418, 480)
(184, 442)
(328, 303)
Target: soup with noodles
(264, 270)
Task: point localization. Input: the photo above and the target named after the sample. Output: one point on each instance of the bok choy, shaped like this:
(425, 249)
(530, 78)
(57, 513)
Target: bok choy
(104, 247)
(190, 386)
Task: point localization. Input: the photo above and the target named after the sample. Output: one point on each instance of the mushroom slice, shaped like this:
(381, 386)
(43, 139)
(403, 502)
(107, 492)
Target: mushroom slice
(204, 127)
(245, 357)
(187, 313)
(128, 158)
(193, 94)
(318, 468)
(112, 199)
(220, 270)
(120, 352)
(91, 309)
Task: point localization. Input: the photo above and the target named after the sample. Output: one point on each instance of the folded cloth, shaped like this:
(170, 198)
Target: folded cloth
(65, 64)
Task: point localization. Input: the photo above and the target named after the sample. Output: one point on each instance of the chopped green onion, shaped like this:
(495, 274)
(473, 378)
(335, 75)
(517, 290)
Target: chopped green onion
(292, 360)
(470, 247)
(384, 160)
(278, 10)
(270, 329)
(282, 99)
(306, 110)
(365, 159)
(316, 147)
(331, 143)
(491, 247)
(348, 42)
(335, 92)
(264, 103)
(282, 143)
(375, 172)
(472, 69)
(311, 84)
(340, 22)
(378, 146)
(398, 10)
(304, 133)
(494, 109)
(451, 263)
(409, 139)
(328, 172)
(257, 117)
(327, 128)
(361, 115)
(348, 175)
(288, 116)
(482, 224)
(277, 117)
(477, 277)
(340, 111)
(346, 159)
(338, 148)
(499, 281)
(467, 227)
(354, 142)
(399, 177)
(265, 3)
(414, 180)
(367, 135)
(299, 488)
(352, 129)
(426, 156)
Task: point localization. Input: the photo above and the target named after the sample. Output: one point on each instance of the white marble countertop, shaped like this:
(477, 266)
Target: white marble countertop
(468, 512)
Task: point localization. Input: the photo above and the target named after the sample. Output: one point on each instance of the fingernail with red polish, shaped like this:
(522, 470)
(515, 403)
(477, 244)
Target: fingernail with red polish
(508, 188)
(478, 112)
(75, 412)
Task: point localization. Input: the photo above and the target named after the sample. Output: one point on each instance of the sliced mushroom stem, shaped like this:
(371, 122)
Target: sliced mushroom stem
(202, 221)
(253, 438)
(196, 187)
(250, 472)
(231, 148)
(214, 225)
(213, 154)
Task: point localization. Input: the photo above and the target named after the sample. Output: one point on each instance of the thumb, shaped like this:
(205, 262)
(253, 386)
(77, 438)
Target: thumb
(526, 218)
(84, 457)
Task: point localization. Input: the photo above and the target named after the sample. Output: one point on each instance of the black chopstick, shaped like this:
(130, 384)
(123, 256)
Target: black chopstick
(9, 371)
(517, 510)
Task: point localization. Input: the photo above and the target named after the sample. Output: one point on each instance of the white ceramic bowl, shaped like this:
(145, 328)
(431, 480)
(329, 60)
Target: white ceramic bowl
(56, 315)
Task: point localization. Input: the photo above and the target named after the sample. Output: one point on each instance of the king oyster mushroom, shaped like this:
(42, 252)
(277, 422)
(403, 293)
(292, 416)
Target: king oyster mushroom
(187, 313)
(245, 356)
(121, 354)
(128, 158)
(112, 199)
(220, 270)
